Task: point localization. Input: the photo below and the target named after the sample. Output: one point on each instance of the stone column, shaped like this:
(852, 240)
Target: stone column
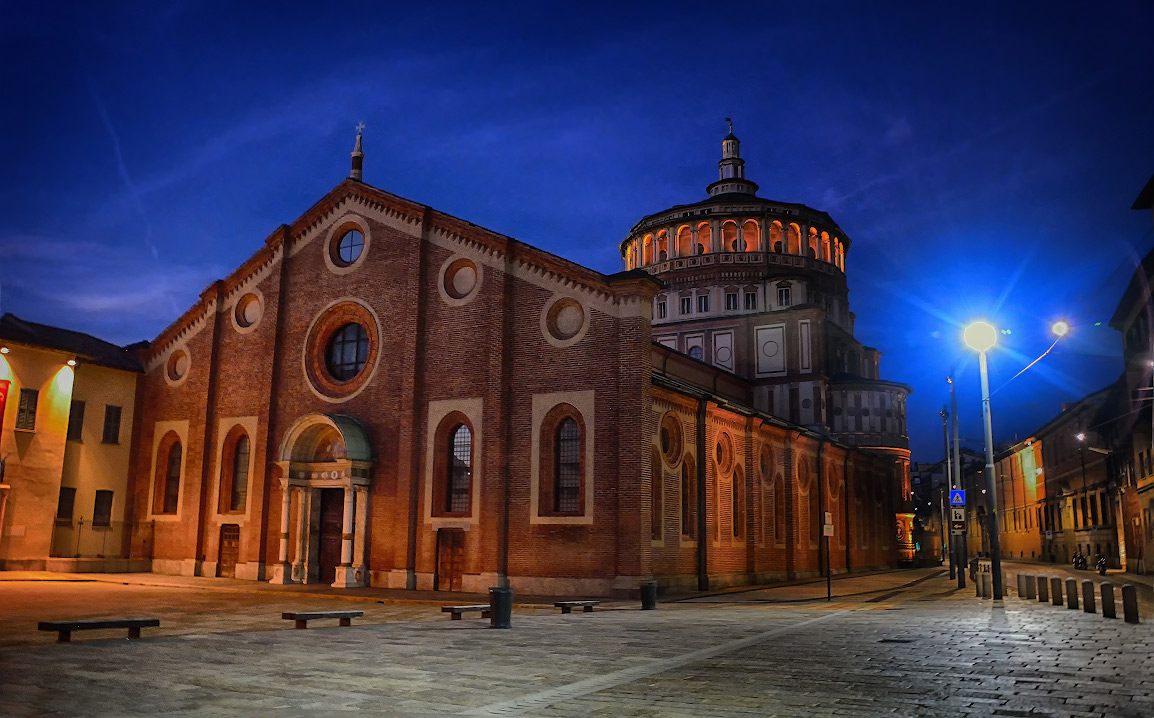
(282, 572)
(692, 239)
(346, 575)
(359, 535)
(300, 572)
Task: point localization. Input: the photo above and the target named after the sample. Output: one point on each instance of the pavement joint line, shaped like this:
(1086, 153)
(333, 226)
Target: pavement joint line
(545, 698)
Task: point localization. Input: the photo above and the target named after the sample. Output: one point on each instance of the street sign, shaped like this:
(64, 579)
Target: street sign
(957, 513)
(957, 527)
(827, 530)
(957, 497)
(829, 517)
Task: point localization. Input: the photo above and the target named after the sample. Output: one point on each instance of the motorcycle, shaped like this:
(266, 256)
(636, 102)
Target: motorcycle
(1101, 565)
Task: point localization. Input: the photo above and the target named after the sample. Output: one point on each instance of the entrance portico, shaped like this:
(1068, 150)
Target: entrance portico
(323, 452)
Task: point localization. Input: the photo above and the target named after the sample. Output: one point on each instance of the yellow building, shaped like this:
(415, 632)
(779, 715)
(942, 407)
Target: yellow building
(65, 441)
(1021, 484)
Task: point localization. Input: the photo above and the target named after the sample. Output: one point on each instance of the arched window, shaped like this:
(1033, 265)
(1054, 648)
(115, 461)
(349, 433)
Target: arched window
(729, 237)
(460, 470)
(738, 498)
(688, 499)
(562, 470)
(779, 508)
(166, 488)
(704, 238)
(684, 242)
(239, 492)
(648, 249)
(453, 467)
(750, 234)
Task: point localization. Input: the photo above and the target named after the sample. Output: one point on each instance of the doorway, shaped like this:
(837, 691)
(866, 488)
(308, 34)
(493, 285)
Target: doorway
(229, 550)
(332, 528)
(450, 559)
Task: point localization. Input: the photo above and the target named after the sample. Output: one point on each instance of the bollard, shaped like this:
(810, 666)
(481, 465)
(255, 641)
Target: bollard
(1031, 586)
(648, 595)
(977, 585)
(1088, 596)
(1108, 601)
(1021, 585)
(1043, 590)
(500, 607)
(1056, 590)
(986, 578)
(1130, 603)
(1071, 593)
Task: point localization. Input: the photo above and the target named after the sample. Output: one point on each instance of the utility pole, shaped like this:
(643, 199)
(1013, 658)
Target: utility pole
(960, 543)
(947, 536)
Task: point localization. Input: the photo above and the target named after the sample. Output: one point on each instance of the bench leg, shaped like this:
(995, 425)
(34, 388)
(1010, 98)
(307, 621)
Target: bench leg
(302, 624)
(566, 609)
(454, 617)
(134, 632)
(346, 621)
(64, 637)
(588, 609)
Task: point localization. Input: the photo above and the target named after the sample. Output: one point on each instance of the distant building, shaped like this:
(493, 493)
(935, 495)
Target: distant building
(66, 438)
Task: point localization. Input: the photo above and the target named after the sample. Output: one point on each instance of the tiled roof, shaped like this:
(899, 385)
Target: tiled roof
(85, 346)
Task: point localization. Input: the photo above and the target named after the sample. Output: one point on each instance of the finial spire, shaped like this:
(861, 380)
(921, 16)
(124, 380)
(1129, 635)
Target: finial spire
(730, 121)
(358, 155)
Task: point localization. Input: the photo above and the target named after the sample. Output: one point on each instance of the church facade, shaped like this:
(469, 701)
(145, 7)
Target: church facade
(386, 395)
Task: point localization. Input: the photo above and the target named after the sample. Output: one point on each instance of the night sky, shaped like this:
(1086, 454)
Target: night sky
(982, 157)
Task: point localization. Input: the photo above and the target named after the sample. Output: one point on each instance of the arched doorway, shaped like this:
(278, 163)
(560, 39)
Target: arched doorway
(326, 462)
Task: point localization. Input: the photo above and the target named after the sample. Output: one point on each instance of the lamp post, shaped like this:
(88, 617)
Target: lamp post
(947, 534)
(1085, 493)
(981, 337)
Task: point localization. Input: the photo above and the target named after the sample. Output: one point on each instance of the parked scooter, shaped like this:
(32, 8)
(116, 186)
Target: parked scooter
(1100, 564)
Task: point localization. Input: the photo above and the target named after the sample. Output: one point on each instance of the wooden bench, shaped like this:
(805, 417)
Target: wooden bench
(302, 618)
(568, 606)
(484, 608)
(65, 628)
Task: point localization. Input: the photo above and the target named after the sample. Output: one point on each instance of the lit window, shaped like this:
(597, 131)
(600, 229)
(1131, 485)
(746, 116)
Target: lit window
(783, 296)
(661, 310)
(750, 301)
(350, 246)
(26, 410)
(730, 301)
(111, 424)
(686, 306)
(347, 352)
(695, 353)
(703, 303)
(102, 509)
(76, 421)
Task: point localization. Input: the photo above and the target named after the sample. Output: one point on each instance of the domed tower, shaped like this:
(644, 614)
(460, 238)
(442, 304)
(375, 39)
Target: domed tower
(758, 288)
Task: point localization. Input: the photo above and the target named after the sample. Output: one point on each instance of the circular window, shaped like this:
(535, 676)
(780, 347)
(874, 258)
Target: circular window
(566, 317)
(247, 310)
(695, 353)
(178, 364)
(348, 247)
(347, 351)
(724, 453)
(670, 439)
(460, 278)
(806, 403)
(341, 350)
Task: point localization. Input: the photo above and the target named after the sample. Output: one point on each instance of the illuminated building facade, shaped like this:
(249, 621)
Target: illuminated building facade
(386, 395)
(66, 420)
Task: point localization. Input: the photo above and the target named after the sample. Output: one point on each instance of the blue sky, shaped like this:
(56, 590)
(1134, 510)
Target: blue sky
(982, 157)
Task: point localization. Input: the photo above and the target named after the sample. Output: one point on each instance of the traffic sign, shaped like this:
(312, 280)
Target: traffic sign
(827, 530)
(957, 526)
(957, 513)
(957, 497)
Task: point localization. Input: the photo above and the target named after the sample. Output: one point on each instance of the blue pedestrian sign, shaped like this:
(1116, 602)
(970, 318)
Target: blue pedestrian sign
(957, 497)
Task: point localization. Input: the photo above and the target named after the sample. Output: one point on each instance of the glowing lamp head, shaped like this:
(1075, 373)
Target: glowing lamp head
(1080, 437)
(3, 350)
(1060, 328)
(71, 362)
(980, 336)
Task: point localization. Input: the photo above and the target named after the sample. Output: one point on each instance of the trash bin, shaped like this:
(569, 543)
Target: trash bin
(501, 607)
(648, 595)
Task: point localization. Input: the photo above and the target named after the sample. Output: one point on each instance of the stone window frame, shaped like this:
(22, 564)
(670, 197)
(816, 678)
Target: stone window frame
(167, 483)
(314, 350)
(546, 417)
(445, 436)
(226, 486)
(549, 477)
(342, 226)
(161, 443)
(442, 412)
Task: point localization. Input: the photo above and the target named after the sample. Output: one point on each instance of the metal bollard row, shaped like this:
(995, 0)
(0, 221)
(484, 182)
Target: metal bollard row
(1051, 590)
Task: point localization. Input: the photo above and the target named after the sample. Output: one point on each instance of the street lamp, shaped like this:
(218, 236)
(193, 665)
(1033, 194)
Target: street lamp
(1081, 457)
(981, 337)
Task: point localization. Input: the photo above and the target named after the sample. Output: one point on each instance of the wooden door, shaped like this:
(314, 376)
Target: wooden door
(450, 559)
(229, 550)
(332, 527)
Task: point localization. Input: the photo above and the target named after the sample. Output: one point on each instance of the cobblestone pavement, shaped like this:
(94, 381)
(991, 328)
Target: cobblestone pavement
(898, 643)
